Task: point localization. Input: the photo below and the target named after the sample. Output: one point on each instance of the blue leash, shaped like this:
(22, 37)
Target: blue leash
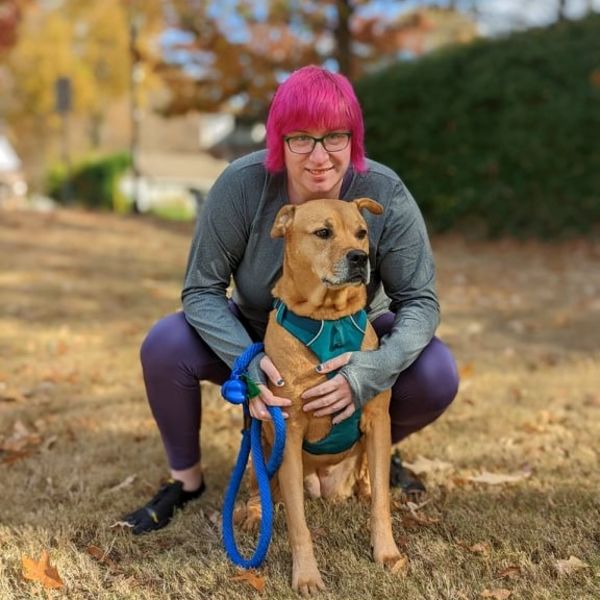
(235, 390)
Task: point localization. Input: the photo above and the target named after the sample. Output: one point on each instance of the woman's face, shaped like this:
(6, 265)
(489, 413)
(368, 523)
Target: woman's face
(318, 174)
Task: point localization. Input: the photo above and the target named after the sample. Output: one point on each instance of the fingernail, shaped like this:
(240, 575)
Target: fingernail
(281, 382)
(319, 368)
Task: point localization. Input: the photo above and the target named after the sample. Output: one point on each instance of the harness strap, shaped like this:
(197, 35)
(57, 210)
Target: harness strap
(328, 339)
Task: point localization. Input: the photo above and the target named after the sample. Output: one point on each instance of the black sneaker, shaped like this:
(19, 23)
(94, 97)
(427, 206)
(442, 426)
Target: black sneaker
(160, 510)
(406, 480)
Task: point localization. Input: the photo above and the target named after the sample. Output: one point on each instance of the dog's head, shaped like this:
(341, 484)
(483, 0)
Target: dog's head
(328, 239)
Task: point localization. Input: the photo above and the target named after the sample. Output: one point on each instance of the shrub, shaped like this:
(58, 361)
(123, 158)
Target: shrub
(501, 132)
(92, 183)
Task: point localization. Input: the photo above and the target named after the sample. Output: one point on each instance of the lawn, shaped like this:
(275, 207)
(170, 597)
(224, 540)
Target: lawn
(512, 468)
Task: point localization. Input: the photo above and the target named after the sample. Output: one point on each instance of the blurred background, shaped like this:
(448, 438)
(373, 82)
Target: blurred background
(488, 109)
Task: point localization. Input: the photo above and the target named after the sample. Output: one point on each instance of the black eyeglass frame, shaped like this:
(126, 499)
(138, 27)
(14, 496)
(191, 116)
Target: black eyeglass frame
(315, 140)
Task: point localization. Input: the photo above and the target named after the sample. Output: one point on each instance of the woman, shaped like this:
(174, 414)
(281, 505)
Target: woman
(314, 149)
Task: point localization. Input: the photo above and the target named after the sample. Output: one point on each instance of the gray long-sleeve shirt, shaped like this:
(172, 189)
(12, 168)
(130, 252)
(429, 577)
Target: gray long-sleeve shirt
(232, 238)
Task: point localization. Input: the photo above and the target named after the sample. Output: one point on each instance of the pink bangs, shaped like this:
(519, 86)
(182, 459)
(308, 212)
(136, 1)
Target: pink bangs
(313, 98)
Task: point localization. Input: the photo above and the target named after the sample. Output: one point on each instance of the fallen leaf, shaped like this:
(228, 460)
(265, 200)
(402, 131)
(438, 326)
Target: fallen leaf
(425, 465)
(251, 578)
(11, 394)
(214, 516)
(529, 427)
(125, 483)
(41, 571)
(20, 439)
(318, 532)
(499, 594)
(466, 370)
(510, 572)
(592, 400)
(100, 555)
(499, 478)
(13, 457)
(567, 567)
(95, 552)
(416, 520)
(482, 548)
(122, 524)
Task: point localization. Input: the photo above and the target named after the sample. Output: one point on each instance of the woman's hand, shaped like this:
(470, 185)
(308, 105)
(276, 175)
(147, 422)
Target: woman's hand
(258, 404)
(334, 394)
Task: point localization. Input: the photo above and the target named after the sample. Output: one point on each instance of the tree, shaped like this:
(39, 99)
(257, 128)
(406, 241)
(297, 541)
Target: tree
(11, 13)
(238, 59)
(86, 42)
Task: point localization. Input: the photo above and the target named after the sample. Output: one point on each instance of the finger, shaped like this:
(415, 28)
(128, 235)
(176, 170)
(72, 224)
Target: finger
(269, 398)
(334, 363)
(327, 387)
(333, 408)
(347, 412)
(258, 409)
(270, 370)
(321, 402)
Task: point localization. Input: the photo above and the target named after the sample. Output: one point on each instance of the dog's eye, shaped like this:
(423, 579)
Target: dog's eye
(324, 233)
(361, 234)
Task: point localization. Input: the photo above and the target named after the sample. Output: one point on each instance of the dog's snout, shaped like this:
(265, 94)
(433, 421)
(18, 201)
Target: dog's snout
(357, 258)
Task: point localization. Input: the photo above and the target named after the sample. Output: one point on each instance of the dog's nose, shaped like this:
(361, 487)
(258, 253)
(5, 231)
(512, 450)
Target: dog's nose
(357, 258)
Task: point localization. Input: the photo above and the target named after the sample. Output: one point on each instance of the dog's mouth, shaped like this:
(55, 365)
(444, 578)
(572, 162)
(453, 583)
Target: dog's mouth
(339, 282)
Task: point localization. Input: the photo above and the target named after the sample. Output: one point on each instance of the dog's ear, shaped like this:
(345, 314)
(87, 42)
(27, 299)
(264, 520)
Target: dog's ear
(283, 220)
(369, 204)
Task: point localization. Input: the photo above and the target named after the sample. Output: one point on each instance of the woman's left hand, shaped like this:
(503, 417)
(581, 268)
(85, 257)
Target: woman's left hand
(333, 395)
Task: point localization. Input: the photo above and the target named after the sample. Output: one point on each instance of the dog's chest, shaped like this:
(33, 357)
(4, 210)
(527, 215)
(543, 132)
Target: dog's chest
(296, 365)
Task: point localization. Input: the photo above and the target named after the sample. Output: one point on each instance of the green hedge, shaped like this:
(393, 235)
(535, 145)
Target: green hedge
(501, 134)
(92, 183)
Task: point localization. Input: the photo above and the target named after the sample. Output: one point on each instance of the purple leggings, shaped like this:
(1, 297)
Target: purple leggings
(174, 360)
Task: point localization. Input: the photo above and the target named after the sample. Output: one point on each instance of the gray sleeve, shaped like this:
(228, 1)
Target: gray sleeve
(405, 263)
(217, 247)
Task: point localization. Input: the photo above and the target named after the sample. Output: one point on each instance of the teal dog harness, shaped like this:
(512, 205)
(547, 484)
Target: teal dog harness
(328, 339)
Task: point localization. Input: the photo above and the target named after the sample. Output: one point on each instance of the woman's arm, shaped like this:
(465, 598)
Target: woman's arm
(407, 271)
(217, 248)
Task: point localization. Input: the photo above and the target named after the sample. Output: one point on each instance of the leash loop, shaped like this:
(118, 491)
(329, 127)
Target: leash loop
(236, 391)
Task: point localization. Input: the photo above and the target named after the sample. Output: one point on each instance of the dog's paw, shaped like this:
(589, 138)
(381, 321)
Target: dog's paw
(391, 559)
(251, 522)
(307, 580)
(239, 513)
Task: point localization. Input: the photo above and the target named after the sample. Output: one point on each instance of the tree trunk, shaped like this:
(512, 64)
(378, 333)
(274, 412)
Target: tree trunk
(562, 5)
(343, 38)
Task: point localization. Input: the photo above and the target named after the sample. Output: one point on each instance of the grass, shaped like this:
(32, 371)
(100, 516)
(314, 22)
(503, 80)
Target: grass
(78, 292)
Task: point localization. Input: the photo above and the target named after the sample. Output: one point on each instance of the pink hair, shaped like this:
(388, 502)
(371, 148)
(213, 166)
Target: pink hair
(314, 98)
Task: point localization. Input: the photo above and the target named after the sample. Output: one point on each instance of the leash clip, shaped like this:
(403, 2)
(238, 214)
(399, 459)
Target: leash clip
(247, 419)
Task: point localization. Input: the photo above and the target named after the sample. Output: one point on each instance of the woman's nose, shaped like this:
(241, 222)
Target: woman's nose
(319, 153)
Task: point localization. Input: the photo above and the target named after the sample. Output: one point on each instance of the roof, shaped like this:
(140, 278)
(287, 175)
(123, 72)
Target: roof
(9, 161)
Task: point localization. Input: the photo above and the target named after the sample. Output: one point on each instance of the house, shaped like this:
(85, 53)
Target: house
(13, 186)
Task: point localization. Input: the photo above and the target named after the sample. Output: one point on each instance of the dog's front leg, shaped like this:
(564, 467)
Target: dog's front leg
(306, 578)
(379, 443)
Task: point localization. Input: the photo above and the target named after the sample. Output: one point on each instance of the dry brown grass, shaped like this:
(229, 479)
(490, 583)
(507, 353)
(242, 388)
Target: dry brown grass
(78, 292)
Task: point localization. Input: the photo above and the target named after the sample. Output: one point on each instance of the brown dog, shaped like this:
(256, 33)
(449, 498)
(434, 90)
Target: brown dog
(325, 269)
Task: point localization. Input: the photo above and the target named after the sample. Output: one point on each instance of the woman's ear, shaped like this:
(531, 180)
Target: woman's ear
(283, 220)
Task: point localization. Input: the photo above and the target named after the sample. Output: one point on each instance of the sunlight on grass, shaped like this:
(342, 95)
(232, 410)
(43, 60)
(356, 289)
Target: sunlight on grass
(78, 446)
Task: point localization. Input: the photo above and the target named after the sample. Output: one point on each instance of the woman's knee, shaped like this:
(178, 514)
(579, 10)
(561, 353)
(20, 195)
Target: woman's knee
(435, 377)
(167, 342)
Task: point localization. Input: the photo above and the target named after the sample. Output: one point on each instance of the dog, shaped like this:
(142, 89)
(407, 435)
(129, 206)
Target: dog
(324, 276)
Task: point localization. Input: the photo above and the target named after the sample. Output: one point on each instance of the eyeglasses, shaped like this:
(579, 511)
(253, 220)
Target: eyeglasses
(332, 142)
